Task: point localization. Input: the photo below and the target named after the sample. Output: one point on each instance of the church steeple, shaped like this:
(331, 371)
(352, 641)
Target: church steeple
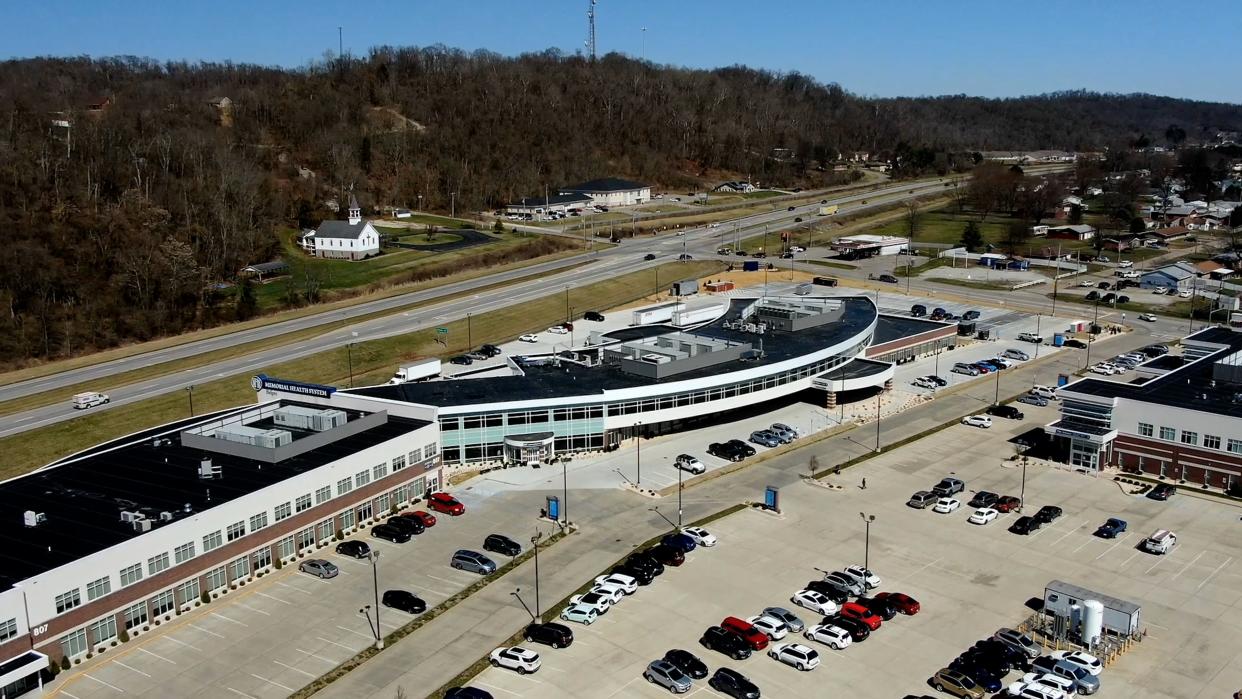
(355, 212)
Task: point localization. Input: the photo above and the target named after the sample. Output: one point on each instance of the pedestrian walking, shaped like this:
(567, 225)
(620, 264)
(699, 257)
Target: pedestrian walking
(864, 484)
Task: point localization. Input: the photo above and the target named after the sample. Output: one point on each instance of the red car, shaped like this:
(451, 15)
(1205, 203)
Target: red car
(428, 519)
(443, 502)
(902, 602)
(756, 639)
(853, 610)
(1007, 503)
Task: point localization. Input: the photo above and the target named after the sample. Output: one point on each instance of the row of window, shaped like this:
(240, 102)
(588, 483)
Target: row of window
(495, 450)
(1210, 441)
(214, 540)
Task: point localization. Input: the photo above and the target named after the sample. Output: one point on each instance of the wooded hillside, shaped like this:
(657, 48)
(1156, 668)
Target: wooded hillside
(116, 219)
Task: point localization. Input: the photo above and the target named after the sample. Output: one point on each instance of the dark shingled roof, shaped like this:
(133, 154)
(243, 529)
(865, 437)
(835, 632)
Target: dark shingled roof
(340, 229)
(605, 184)
(553, 200)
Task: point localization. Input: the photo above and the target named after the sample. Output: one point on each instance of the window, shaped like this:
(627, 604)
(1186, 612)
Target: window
(1235, 446)
(383, 503)
(258, 521)
(1189, 437)
(103, 630)
(157, 564)
(430, 450)
(303, 503)
(216, 579)
(381, 470)
(284, 548)
(8, 630)
(306, 538)
(362, 478)
(68, 601)
(212, 541)
(98, 588)
(163, 603)
(74, 643)
(344, 486)
(136, 615)
(283, 511)
(323, 495)
(239, 568)
(1168, 434)
(1145, 429)
(263, 558)
(188, 592)
(347, 519)
(326, 529)
(184, 552)
(236, 530)
(415, 457)
(131, 574)
(1211, 441)
(398, 463)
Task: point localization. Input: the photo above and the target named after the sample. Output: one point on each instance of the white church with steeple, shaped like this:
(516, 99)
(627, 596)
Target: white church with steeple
(353, 239)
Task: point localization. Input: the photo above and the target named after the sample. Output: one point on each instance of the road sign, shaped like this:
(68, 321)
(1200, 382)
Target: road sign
(772, 498)
(441, 331)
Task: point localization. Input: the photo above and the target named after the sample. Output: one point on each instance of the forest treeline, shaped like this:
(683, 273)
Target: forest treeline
(127, 191)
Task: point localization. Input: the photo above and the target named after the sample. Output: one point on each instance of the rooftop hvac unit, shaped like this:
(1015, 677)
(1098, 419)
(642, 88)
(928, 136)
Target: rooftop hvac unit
(314, 419)
(33, 519)
(207, 470)
(166, 516)
(142, 525)
(127, 516)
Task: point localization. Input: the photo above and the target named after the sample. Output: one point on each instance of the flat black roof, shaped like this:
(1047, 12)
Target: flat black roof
(571, 379)
(84, 495)
(893, 327)
(1189, 386)
(856, 369)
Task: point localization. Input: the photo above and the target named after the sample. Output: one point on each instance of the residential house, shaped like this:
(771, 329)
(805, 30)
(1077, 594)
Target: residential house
(353, 239)
(98, 106)
(612, 191)
(1214, 270)
(1169, 233)
(1076, 232)
(1123, 241)
(734, 186)
(1177, 276)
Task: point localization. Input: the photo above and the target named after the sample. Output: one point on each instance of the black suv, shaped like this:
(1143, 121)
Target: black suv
(887, 278)
(734, 684)
(983, 498)
(645, 561)
(354, 549)
(885, 609)
(743, 447)
(593, 315)
(918, 310)
(461, 359)
(970, 315)
(643, 576)
(721, 641)
(1047, 514)
(499, 543)
(390, 532)
(687, 662)
(407, 524)
(549, 634)
(1006, 411)
(828, 590)
(406, 601)
(857, 630)
(490, 350)
(725, 451)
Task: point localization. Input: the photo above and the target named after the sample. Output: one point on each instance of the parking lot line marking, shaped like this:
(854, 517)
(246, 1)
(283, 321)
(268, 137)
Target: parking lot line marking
(209, 633)
(339, 645)
(318, 657)
(1084, 544)
(1159, 560)
(109, 686)
(1178, 574)
(295, 669)
(451, 582)
(183, 643)
(131, 669)
(232, 621)
(1115, 544)
(68, 694)
(287, 689)
(1213, 573)
(498, 689)
(292, 587)
(256, 611)
(1065, 535)
(369, 637)
(156, 655)
(277, 599)
(240, 693)
(1131, 558)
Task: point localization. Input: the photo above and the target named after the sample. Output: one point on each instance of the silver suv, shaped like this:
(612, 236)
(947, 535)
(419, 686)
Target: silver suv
(765, 438)
(473, 562)
(921, 499)
(668, 676)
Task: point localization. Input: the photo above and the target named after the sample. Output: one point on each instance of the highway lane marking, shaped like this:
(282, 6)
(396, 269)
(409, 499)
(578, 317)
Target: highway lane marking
(1115, 544)
(132, 669)
(272, 682)
(156, 655)
(183, 643)
(1213, 573)
(240, 693)
(341, 645)
(109, 686)
(231, 621)
(277, 599)
(295, 669)
(1178, 574)
(209, 633)
(369, 637)
(318, 657)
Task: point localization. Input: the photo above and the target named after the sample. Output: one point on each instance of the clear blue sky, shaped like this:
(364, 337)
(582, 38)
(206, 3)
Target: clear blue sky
(878, 47)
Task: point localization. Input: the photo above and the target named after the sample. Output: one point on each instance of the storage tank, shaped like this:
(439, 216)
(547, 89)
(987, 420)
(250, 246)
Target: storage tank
(1092, 621)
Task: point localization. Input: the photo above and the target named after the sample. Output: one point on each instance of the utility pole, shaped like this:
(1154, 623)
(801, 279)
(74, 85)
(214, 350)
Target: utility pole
(867, 520)
(453, 205)
(638, 441)
(534, 541)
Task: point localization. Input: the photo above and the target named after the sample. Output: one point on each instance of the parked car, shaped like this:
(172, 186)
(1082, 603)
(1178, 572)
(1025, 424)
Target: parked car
(687, 662)
(986, 676)
(1024, 525)
(724, 450)
(1163, 491)
(983, 515)
(641, 576)
(1007, 503)
(833, 592)
(594, 316)
(644, 561)
(550, 634)
(949, 486)
(391, 533)
(817, 602)
(319, 568)
(1087, 683)
(679, 541)
(734, 684)
(921, 499)
(957, 683)
(409, 524)
(904, 603)
(516, 658)
(601, 602)
(1018, 640)
(461, 360)
(772, 627)
(701, 536)
(1111, 528)
(970, 315)
(723, 641)
(1075, 344)
(1030, 337)
(937, 380)
(788, 618)
(834, 637)
(354, 549)
(977, 421)
(765, 438)
(796, 655)
(668, 676)
(853, 610)
(403, 600)
(1017, 354)
(754, 638)
(868, 579)
(667, 555)
(746, 450)
(1006, 411)
(967, 369)
(782, 433)
(946, 506)
(446, 504)
(983, 498)
(881, 607)
(1032, 399)
(845, 582)
(923, 382)
(467, 693)
(427, 519)
(473, 562)
(686, 462)
(490, 350)
(499, 543)
(1048, 514)
(918, 310)
(857, 630)
(580, 614)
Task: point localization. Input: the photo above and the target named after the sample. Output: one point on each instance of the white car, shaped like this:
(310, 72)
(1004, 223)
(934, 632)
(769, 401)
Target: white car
(796, 248)
(515, 658)
(612, 592)
(862, 575)
(1102, 369)
(1185, 294)
(834, 637)
(1001, 361)
(946, 505)
(815, 601)
(1029, 690)
(983, 515)
(689, 463)
(580, 613)
(598, 601)
(1086, 282)
(1159, 291)
(796, 655)
(1050, 681)
(701, 536)
(923, 382)
(529, 338)
(558, 330)
(977, 421)
(773, 628)
(1125, 264)
(1149, 317)
(625, 582)
(1084, 660)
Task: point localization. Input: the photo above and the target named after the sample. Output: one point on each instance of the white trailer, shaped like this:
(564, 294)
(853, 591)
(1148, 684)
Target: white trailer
(82, 401)
(1064, 600)
(661, 313)
(693, 314)
(416, 371)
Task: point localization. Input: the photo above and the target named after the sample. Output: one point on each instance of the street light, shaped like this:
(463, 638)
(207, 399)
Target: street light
(867, 519)
(379, 638)
(564, 488)
(534, 542)
(1022, 491)
(189, 390)
(638, 439)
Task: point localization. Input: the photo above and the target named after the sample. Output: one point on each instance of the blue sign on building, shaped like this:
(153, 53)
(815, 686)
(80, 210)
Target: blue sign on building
(265, 382)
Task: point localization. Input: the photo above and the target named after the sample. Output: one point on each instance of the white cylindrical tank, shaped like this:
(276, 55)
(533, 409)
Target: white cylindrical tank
(1092, 621)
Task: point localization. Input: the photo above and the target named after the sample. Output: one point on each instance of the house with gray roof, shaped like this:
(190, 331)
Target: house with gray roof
(352, 239)
(1177, 276)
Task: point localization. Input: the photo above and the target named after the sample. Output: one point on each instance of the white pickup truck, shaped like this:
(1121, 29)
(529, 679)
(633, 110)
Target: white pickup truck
(82, 401)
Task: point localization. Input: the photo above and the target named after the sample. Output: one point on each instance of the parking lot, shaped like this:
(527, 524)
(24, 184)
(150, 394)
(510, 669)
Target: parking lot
(282, 631)
(970, 580)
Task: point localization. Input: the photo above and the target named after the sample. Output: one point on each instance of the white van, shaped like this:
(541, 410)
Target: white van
(1160, 542)
(1045, 392)
(82, 401)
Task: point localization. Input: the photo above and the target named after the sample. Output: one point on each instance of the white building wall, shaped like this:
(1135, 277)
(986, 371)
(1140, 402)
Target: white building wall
(1129, 413)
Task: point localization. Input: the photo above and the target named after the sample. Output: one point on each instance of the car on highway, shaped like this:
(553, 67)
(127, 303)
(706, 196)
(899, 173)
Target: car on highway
(1032, 399)
(1048, 514)
(354, 549)
(649, 256)
(516, 658)
(733, 684)
(787, 617)
(946, 506)
(721, 640)
(834, 637)
(625, 582)
(446, 504)
(1149, 317)
(701, 536)
(1024, 525)
(765, 439)
(687, 462)
(391, 533)
(957, 683)
(319, 568)
(772, 627)
(1111, 528)
(796, 655)
(473, 562)
(983, 515)
(817, 602)
(403, 600)
(550, 634)
(905, 604)
(580, 614)
(868, 579)
(499, 543)
(667, 675)
(854, 610)
(977, 421)
(983, 498)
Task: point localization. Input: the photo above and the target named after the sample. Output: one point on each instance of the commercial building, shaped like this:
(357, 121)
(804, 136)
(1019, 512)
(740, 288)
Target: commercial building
(1183, 422)
(562, 203)
(612, 191)
(112, 539)
(1177, 276)
(859, 246)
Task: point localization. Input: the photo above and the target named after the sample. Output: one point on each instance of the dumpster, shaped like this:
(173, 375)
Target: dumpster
(750, 266)
(1058, 340)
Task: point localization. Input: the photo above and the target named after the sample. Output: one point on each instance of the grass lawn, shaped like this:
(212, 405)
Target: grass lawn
(996, 286)
(440, 238)
(373, 362)
(1179, 309)
(433, 220)
(830, 263)
(916, 270)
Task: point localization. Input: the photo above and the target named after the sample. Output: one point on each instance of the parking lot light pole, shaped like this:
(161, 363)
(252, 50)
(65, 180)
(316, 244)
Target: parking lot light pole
(190, 392)
(678, 499)
(877, 420)
(638, 440)
(564, 489)
(534, 542)
(516, 594)
(867, 520)
(379, 633)
(996, 400)
(1022, 489)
